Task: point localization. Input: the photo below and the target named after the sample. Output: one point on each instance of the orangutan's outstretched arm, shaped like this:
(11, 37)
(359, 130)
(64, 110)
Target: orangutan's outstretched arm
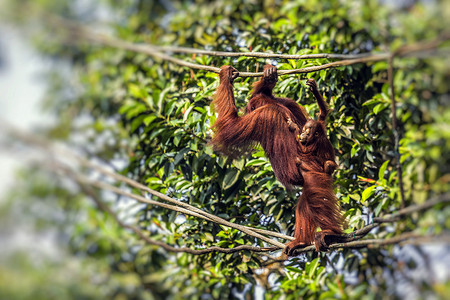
(322, 105)
(224, 100)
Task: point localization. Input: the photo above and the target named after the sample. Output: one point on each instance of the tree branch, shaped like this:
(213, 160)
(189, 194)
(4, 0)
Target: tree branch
(58, 152)
(439, 199)
(395, 130)
(102, 206)
(395, 216)
(347, 241)
(187, 50)
(116, 190)
(403, 239)
(80, 32)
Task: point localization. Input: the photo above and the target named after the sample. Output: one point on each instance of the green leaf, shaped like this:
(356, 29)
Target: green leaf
(354, 150)
(209, 236)
(356, 197)
(239, 163)
(294, 269)
(367, 193)
(256, 162)
(239, 241)
(222, 234)
(149, 119)
(382, 170)
(379, 107)
(312, 267)
(231, 177)
(243, 268)
(136, 91)
(323, 74)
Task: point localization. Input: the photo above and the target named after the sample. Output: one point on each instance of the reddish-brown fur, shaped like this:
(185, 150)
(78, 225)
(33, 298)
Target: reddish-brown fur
(317, 206)
(306, 159)
(264, 123)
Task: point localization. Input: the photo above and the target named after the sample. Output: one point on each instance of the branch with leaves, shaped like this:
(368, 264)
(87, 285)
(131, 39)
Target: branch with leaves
(352, 240)
(64, 155)
(78, 33)
(103, 207)
(58, 162)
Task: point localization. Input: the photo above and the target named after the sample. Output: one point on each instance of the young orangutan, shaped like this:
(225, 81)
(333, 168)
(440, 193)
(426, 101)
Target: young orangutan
(317, 206)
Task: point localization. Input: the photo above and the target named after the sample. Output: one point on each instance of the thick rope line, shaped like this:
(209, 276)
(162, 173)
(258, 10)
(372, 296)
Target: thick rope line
(102, 206)
(186, 50)
(81, 32)
(348, 241)
(405, 238)
(402, 239)
(188, 209)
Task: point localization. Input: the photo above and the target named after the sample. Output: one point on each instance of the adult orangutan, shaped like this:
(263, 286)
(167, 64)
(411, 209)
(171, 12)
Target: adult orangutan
(297, 147)
(265, 122)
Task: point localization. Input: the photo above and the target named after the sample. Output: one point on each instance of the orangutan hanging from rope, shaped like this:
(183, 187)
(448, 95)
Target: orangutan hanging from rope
(296, 145)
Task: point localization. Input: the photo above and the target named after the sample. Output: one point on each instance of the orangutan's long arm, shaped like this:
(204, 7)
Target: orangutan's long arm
(322, 105)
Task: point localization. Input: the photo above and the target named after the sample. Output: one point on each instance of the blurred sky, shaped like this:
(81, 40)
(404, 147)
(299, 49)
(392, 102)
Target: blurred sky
(21, 91)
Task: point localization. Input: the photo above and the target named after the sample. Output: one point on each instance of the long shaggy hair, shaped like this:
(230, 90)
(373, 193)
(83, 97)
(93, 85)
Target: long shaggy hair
(276, 124)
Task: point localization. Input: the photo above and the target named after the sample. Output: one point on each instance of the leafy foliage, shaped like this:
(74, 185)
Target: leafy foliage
(152, 120)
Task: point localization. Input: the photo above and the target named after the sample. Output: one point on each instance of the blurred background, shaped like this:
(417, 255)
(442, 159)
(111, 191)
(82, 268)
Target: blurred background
(135, 114)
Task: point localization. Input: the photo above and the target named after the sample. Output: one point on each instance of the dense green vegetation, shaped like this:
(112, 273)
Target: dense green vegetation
(150, 119)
